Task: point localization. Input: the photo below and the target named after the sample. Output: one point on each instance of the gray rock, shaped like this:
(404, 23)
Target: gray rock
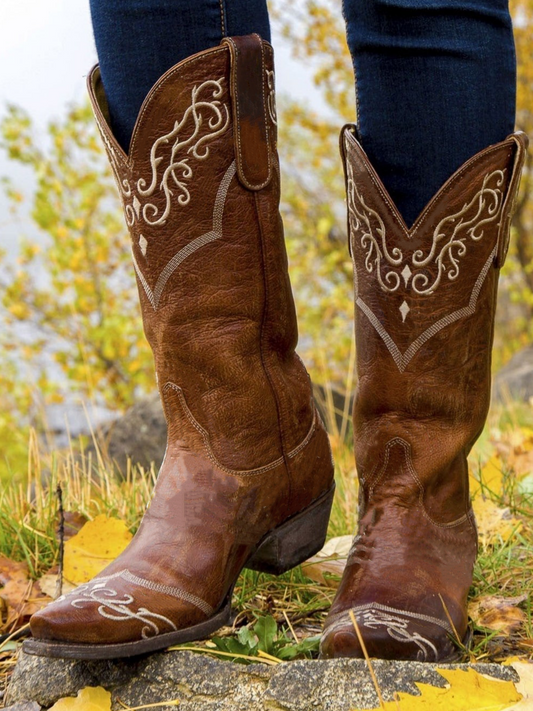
(515, 379)
(23, 706)
(201, 683)
(140, 435)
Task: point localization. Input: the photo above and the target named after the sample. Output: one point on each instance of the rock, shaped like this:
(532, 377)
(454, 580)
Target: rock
(23, 706)
(201, 683)
(140, 435)
(515, 379)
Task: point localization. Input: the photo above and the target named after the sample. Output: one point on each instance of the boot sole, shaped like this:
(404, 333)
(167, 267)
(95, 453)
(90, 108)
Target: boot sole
(283, 548)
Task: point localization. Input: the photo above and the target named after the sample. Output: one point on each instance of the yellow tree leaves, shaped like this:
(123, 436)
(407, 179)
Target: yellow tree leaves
(465, 691)
(98, 543)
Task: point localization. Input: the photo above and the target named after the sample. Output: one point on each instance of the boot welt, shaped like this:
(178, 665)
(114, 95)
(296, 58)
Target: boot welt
(294, 541)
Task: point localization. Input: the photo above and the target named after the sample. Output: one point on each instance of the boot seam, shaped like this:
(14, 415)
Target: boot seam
(268, 374)
(169, 385)
(421, 490)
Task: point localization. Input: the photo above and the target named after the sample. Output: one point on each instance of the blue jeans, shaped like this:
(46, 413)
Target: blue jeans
(436, 79)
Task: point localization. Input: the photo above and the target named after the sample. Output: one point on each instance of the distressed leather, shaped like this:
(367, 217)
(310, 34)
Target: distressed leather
(246, 448)
(424, 316)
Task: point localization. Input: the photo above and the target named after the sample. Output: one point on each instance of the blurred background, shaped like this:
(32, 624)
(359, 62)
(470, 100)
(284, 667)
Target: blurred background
(73, 358)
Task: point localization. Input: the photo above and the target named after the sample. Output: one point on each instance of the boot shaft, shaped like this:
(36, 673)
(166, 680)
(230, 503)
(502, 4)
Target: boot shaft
(200, 190)
(425, 298)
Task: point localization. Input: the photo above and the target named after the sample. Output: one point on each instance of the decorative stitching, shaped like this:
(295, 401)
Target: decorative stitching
(415, 615)
(412, 471)
(223, 19)
(402, 360)
(209, 450)
(125, 574)
(374, 614)
(193, 246)
(168, 590)
(116, 609)
(235, 93)
(160, 86)
(204, 112)
(486, 205)
(351, 145)
(271, 100)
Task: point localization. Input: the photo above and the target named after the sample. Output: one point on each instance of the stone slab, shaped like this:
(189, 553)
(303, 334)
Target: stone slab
(202, 683)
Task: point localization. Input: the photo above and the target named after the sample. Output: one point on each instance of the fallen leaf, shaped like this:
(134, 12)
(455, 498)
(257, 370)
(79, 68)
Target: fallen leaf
(498, 613)
(524, 686)
(91, 698)
(98, 543)
(494, 522)
(73, 522)
(48, 584)
(465, 691)
(12, 570)
(23, 598)
(489, 477)
(327, 566)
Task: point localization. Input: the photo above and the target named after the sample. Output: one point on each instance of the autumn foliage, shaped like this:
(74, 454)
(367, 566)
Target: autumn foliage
(68, 303)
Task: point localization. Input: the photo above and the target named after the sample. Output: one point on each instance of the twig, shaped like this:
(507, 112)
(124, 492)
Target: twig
(290, 626)
(457, 638)
(369, 663)
(267, 659)
(61, 531)
(172, 702)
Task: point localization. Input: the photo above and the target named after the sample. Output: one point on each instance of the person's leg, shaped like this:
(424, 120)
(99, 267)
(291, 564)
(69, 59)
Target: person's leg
(247, 478)
(138, 40)
(435, 85)
(436, 92)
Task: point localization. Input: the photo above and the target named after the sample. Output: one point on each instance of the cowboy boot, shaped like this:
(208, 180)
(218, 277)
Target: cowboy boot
(247, 479)
(425, 300)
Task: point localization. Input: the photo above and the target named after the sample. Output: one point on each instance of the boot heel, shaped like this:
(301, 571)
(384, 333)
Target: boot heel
(296, 540)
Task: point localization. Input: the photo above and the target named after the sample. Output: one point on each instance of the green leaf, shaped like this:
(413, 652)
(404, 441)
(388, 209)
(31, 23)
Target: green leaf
(266, 629)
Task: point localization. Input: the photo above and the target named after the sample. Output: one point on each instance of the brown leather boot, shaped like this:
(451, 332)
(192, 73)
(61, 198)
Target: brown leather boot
(247, 479)
(425, 300)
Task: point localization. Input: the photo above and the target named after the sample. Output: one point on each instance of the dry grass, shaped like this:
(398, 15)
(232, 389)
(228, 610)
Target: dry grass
(28, 520)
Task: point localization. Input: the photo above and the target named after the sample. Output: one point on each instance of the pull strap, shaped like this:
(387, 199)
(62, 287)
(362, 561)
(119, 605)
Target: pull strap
(251, 130)
(521, 141)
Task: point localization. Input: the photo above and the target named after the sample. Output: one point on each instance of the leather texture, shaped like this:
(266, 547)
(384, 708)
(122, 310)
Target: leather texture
(246, 448)
(425, 298)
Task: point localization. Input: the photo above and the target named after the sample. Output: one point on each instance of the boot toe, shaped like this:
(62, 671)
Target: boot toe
(388, 634)
(114, 611)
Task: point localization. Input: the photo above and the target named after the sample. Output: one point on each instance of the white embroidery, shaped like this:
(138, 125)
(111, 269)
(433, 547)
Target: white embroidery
(143, 244)
(402, 360)
(120, 607)
(396, 622)
(448, 241)
(171, 173)
(271, 99)
(195, 244)
(368, 224)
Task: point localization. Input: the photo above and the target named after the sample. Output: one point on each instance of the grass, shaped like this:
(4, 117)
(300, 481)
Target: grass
(28, 522)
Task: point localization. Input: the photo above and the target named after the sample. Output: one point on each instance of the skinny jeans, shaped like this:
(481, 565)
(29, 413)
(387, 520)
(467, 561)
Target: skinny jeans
(435, 79)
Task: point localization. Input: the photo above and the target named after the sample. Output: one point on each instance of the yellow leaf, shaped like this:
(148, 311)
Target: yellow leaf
(524, 686)
(98, 543)
(466, 691)
(493, 522)
(91, 698)
(490, 477)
